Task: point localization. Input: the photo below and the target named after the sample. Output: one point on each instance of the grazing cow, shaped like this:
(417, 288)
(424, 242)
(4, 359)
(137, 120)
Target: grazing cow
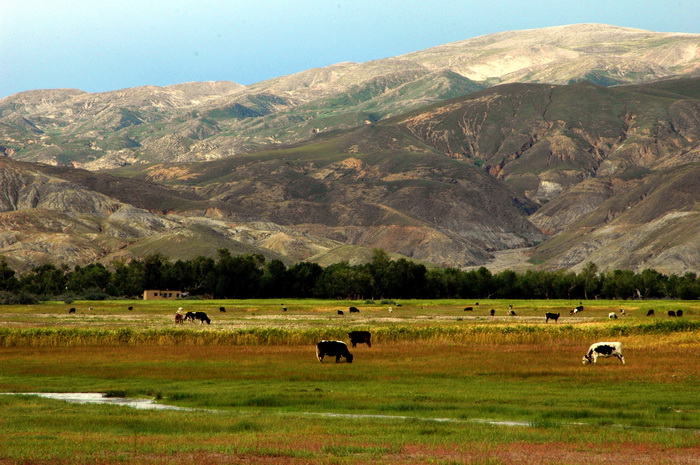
(360, 337)
(671, 313)
(201, 316)
(71, 310)
(512, 313)
(131, 308)
(604, 349)
(476, 303)
(354, 310)
(510, 306)
(468, 309)
(340, 312)
(222, 310)
(650, 312)
(612, 315)
(284, 309)
(335, 349)
(551, 316)
(622, 312)
(493, 312)
(679, 312)
(577, 309)
(178, 318)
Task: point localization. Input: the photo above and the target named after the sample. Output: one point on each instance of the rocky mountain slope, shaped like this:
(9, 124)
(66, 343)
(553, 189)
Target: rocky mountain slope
(419, 155)
(206, 121)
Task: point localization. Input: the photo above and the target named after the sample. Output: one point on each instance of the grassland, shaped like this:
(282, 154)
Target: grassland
(432, 388)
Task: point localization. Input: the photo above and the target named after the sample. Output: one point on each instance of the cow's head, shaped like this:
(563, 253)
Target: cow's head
(349, 357)
(587, 359)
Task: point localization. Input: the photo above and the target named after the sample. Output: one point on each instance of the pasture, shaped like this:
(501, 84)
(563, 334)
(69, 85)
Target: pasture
(439, 385)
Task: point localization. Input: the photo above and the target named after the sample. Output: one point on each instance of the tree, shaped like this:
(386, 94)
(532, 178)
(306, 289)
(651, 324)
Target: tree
(8, 281)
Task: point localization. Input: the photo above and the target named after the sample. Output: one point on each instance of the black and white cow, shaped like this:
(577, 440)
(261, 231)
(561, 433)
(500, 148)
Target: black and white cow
(360, 337)
(576, 310)
(335, 349)
(201, 316)
(512, 313)
(612, 315)
(551, 316)
(604, 349)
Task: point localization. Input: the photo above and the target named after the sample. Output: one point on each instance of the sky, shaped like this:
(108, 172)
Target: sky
(103, 45)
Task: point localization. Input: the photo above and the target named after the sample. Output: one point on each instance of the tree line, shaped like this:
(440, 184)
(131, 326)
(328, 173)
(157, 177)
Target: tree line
(252, 276)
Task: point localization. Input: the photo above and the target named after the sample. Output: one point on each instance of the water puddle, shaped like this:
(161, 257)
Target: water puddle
(99, 398)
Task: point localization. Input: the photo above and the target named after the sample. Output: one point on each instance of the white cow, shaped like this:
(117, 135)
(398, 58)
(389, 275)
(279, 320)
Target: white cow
(612, 315)
(604, 349)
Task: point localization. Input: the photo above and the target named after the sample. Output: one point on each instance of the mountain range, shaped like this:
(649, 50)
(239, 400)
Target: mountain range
(545, 148)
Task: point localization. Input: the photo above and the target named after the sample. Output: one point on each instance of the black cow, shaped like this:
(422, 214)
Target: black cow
(360, 337)
(340, 312)
(201, 316)
(131, 308)
(335, 349)
(71, 310)
(679, 312)
(284, 309)
(222, 310)
(551, 316)
(354, 310)
(468, 309)
(650, 312)
(493, 312)
(671, 313)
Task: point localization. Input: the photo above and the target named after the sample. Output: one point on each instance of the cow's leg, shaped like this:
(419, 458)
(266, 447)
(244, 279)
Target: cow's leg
(337, 358)
(622, 359)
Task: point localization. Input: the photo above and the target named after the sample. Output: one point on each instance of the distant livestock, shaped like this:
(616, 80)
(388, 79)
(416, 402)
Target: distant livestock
(340, 312)
(131, 308)
(679, 312)
(603, 349)
(360, 337)
(468, 309)
(222, 309)
(492, 312)
(551, 316)
(671, 313)
(391, 310)
(354, 310)
(650, 312)
(71, 310)
(512, 313)
(576, 310)
(622, 312)
(201, 316)
(284, 309)
(612, 315)
(178, 318)
(335, 349)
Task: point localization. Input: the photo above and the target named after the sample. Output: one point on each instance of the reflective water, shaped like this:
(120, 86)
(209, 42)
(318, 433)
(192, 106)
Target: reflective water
(98, 398)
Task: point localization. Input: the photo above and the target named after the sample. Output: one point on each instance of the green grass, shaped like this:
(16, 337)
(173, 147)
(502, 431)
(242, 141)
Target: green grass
(264, 398)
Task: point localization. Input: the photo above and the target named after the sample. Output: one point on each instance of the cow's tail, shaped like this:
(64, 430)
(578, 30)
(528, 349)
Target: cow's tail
(319, 355)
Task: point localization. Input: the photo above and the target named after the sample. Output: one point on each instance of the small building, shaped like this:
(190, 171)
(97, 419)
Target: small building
(161, 295)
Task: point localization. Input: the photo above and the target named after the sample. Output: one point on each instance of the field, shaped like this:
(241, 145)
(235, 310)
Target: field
(438, 386)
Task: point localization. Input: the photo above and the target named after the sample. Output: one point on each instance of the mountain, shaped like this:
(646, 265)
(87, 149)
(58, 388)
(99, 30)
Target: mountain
(574, 144)
(206, 121)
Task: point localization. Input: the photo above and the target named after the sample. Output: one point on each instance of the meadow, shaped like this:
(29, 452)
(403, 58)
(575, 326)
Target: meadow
(439, 385)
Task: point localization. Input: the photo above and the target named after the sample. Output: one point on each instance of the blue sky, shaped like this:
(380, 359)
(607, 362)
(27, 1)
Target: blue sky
(107, 45)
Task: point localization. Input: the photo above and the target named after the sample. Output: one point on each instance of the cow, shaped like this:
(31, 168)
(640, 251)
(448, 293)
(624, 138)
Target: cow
(201, 316)
(468, 309)
(576, 310)
(622, 312)
(492, 312)
(178, 318)
(284, 309)
(671, 313)
(650, 312)
(612, 315)
(679, 312)
(512, 313)
(604, 349)
(360, 337)
(340, 312)
(354, 310)
(551, 316)
(71, 310)
(131, 308)
(391, 310)
(222, 310)
(335, 349)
